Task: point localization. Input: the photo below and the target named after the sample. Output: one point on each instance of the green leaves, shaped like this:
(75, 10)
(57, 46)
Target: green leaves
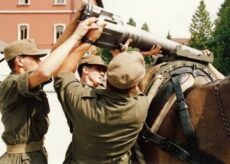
(201, 28)
(217, 39)
(221, 39)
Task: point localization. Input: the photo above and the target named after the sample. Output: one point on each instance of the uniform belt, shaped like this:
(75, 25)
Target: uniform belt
(24, 148)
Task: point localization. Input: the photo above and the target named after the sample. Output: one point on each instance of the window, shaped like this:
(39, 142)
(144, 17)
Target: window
(23, 31)
(60, 2)
(24, 2)
(58, 30)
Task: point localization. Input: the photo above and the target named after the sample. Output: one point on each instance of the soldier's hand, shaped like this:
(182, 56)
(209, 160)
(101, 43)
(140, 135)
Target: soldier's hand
(206, 52)
(155, 50)
(94, 34)
(124, 48)
(84, 26)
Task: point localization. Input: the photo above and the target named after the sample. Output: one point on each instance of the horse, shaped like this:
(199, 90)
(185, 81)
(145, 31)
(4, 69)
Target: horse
(209, 112)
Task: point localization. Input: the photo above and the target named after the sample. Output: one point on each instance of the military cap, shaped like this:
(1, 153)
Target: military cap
(22, 47)
(126, 70)
(91, 60)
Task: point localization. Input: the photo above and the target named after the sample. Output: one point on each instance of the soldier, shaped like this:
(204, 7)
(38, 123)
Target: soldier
(91, 70)
(23, 104)
(106, 122)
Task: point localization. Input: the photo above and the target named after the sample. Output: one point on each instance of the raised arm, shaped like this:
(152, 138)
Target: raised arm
(154, 50)
(53, 61)
(71, 62)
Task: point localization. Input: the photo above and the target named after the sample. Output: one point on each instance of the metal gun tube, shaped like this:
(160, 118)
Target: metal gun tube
(141, 39)
(117, 32)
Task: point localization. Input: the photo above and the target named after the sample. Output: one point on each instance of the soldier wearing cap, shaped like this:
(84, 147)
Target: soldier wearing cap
(91, 70)
(23, 104)
(106, 122)
(18, 102)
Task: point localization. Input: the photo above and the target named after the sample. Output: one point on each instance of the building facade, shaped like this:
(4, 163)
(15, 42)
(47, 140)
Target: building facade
(42, 20)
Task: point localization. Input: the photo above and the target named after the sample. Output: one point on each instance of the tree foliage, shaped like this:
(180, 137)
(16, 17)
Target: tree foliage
(131, 22)
(169, 36)
(201, 28)
(106, 55)
(221, 39)
(145, 27)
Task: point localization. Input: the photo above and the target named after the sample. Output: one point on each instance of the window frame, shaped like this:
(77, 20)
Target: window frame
(22, 2)
(59, 3)
(55, 31)
(19, 31)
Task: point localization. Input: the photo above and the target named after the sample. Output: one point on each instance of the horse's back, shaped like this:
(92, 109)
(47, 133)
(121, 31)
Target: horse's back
(209, 108)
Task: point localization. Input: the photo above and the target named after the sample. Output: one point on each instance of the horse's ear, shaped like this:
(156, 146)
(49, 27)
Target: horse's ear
(70, 27)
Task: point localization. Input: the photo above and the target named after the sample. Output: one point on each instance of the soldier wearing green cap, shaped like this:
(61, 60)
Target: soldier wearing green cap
(23, 104)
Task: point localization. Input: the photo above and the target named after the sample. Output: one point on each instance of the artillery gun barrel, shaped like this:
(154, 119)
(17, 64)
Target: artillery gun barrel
(116, 32)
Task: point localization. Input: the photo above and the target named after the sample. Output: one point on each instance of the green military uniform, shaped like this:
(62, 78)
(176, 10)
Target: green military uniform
(68, 155)
(24, 116)
(105, 124)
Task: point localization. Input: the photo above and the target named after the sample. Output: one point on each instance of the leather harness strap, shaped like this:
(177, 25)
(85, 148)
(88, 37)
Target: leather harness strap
(184, 153)
(24, 148)
(164, 143)
(182, 109)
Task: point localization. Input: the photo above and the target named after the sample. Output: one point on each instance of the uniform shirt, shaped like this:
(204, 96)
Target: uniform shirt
(24, 112)
(68, 120)
(105, 124)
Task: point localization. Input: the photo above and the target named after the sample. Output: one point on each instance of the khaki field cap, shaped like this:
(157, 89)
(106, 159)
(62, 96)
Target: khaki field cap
(22, 47)
(91, 60)
(126, 70)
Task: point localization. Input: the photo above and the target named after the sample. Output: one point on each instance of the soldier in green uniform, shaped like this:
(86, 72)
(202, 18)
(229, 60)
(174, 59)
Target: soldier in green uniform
(91, 70)
(106, 122)
(23, 104)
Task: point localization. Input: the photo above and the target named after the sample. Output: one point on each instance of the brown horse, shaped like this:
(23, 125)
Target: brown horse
(209, 109)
